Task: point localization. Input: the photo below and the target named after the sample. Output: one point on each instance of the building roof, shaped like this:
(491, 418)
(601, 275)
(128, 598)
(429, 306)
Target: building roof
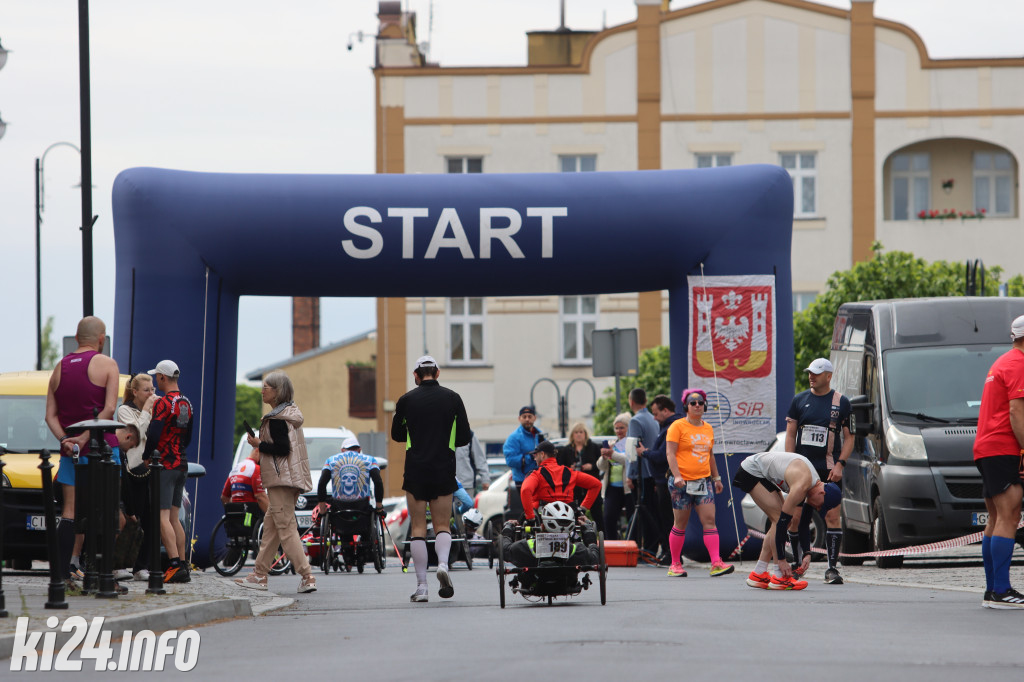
(257, 374)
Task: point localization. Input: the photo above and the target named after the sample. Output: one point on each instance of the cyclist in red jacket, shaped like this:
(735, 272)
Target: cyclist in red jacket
(553, 482)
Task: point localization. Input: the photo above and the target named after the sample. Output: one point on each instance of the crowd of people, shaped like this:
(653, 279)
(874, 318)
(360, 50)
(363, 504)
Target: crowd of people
(658, 469)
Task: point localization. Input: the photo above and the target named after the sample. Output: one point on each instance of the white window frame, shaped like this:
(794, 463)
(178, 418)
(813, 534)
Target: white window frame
(464, 162)
(578, 319)
(911, 175)
(577, 161)
(798, 174)
(712, 160)
(465, 321)
(992, 175)
(802, 299)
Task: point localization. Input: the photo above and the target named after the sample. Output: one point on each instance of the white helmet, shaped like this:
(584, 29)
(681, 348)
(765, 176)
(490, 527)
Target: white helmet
(474, 517)
(557, 517)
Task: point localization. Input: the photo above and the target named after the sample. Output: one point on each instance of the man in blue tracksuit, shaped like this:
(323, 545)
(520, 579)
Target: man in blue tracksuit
(517, 449)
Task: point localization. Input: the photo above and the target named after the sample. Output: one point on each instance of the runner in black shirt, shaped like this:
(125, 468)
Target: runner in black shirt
(432, 422)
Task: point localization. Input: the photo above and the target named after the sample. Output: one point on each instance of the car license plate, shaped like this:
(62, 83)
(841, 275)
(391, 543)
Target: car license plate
(981, 518)
(35, 522)
(554, 545)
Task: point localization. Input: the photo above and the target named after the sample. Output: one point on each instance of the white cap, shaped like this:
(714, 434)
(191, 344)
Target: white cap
(350, 442)
(1017, 328)
(818, 366)
(167, 368)
(425, 361)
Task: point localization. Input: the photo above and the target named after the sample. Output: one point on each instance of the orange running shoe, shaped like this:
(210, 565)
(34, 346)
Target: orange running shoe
(789, 583)
(759, 580)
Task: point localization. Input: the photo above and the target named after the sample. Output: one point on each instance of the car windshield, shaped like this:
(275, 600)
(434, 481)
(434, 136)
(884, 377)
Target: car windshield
(938, 383)
(22, 424)
(318, 449)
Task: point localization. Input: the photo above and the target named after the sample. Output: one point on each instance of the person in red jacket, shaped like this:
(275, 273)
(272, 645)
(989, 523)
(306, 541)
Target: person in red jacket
(553, 482)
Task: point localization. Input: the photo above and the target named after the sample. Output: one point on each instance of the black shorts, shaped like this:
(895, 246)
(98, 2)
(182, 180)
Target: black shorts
(823, 473)
(430, 478)
(999, 472)
(745, 481)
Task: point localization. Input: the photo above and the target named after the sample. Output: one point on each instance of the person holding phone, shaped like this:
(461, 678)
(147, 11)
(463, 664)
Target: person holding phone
(695, 482)
(615, 484)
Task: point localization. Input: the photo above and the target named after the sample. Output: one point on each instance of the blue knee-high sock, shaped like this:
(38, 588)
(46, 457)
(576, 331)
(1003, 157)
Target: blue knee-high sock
(986, 559)
(1002, 550)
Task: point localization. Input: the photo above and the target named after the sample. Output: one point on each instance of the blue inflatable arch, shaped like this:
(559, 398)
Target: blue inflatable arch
(189, 244)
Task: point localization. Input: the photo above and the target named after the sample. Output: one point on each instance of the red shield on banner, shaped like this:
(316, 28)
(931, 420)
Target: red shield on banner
(733, 336)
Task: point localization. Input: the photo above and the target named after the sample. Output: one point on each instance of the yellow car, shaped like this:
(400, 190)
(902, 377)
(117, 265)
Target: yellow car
(23, 433)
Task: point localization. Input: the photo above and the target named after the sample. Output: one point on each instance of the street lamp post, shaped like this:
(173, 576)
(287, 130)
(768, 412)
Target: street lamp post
(40, 161)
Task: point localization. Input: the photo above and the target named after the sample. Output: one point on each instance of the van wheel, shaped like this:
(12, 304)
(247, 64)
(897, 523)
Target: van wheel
(880, 538)
(853, 543)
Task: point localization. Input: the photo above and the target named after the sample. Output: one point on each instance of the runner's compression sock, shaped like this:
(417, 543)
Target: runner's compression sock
(798, 550)
(1002, 549)
(712, 543)
(986, 558)
(833, 540)
(443, 547)
(418, 548)
(675, 544)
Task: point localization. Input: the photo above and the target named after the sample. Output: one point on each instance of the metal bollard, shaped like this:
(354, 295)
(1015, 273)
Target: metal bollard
(156, 576)
(90, 585)
(3, 605)
(55, 591)
(106, 528)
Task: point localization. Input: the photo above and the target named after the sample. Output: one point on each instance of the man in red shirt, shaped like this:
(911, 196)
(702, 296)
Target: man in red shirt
(552, 482)
(244, 484)
(999, 456)
(170, 432)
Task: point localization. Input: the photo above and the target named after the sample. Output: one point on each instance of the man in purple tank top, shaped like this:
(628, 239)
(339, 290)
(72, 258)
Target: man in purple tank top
(83, 382)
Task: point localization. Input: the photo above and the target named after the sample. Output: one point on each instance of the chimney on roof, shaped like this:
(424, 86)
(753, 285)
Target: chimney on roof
(396, 36)
(305, 324)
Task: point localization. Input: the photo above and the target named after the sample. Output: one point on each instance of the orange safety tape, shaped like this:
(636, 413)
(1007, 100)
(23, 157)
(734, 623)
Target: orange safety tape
(902, 551)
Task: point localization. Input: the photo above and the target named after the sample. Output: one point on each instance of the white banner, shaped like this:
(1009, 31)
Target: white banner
(733, 358)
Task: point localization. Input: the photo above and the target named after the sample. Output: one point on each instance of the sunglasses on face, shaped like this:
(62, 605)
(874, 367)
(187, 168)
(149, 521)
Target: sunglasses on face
(696, 402)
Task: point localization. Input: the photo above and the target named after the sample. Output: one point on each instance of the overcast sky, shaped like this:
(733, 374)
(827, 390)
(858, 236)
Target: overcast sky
(259, 86)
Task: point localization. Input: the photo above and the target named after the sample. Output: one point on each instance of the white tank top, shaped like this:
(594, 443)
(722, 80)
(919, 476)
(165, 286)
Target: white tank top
(773, 465)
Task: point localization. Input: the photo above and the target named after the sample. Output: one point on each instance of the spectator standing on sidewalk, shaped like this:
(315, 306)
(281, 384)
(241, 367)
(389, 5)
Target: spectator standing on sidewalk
(645, 429)
(999, 456)
(83, 386)
(471, 466)
(137, 409)
(517, 449)
(431, 421)
(170, 432)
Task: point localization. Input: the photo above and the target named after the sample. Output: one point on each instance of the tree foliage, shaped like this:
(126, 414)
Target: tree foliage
(654, 376)
(893, 274)
(51, 350)
(248, 406)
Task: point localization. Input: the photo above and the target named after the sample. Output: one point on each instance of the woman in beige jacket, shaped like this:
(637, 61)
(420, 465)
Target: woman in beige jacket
(285, 472)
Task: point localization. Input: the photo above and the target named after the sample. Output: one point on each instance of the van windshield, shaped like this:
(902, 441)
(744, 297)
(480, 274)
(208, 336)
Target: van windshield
(939, 382)
(23, 425)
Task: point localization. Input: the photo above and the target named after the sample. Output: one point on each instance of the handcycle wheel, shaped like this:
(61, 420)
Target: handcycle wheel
(325, 542)
(467, 551)
(501, 573)
(281, 562)
(228, 557)
(490, 555)
(602, 570)
(378, 545)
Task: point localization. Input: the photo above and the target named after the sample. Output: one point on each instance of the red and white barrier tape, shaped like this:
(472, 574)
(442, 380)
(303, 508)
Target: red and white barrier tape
(902, 551)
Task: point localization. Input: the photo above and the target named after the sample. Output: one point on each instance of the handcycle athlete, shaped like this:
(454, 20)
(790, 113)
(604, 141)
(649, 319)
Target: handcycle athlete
(354, 477)
(548, 556)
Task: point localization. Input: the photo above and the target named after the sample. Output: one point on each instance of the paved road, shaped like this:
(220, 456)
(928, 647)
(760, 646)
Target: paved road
(695, 628)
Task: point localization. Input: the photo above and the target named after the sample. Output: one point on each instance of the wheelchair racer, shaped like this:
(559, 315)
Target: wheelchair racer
(552, 482)
(555, 517)
(244, 484)
(354, 478)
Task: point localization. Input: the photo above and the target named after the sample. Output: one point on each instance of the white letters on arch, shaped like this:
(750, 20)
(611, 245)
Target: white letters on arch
(497, 224)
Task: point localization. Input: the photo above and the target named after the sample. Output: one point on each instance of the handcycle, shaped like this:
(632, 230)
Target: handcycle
(346, 537)
(238, 533)
(554, 575)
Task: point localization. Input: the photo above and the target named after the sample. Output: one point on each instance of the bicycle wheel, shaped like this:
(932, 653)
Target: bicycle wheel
(603, 568)
(377, 546)
(501, 573)
(281, 563)
(324, 555)
(228, 554)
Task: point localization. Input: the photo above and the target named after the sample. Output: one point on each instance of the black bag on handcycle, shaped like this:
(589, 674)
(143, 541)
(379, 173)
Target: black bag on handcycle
(351, 518)
(241, 518)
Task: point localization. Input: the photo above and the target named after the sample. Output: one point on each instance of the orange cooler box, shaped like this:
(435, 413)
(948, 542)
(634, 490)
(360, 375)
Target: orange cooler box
(620, 552)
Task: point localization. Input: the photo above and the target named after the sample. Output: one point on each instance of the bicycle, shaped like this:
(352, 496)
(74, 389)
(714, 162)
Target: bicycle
(237, 534)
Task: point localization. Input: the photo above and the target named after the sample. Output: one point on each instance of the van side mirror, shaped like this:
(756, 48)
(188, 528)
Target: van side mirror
(862, 409)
